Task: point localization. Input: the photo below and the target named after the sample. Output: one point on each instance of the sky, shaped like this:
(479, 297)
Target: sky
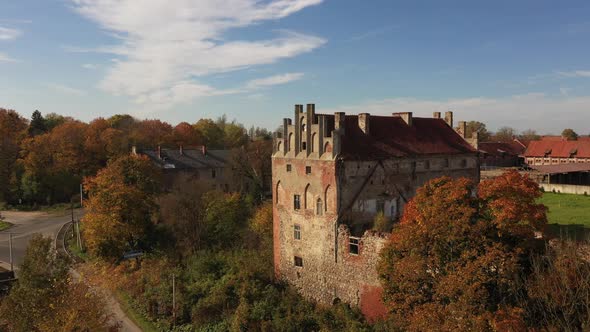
(523, 64)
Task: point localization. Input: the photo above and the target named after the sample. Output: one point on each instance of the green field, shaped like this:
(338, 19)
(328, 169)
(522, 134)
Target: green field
(567, 209)
(4, 225)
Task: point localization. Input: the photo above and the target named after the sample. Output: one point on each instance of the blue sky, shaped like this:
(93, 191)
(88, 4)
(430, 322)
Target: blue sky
(507, 63)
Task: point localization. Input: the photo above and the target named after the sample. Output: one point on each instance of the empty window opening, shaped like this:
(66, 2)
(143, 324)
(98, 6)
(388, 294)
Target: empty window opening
(296, 202)
(298, 261)
(307, 169)
(213, 174)
(427, 164)
(463, 163)
(446, 162)
(288, 167)
(353, 245)
(297, 232)
(303, 146)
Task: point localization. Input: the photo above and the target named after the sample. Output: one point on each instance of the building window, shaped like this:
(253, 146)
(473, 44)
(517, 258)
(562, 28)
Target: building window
(463, 163)
(319, 207)
(288, 167)
(446, 162)
(427, 164)
(296, 202)
(307, 169)
(303, 146)
(353, 245)
(380, 206)
(298, 261)
(213, 174)
(297, 232)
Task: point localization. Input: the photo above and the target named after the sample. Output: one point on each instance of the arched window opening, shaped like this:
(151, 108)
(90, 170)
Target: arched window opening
(279, 145)
(278, 192)
(291, 141)
(327, 198)
(313, 142)
(327, 147)
(319, 208)
(307, 198)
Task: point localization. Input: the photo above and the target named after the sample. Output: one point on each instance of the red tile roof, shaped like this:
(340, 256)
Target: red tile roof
(562, 168)
(499, 148)
(559, 149)
(391, 137)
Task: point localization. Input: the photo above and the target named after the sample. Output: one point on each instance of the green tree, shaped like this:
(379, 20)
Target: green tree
(569, 134)
(46, 299)
(529, 135)
(212, 135)
(504, 134)
(476, 126)
(37, 125)
(53, 120)
(455, 259)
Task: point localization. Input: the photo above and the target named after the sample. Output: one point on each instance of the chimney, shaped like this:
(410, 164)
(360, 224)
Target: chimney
(181, 151)
(134, 150)
(462, 129)
(449, 118)
(436, 115)
(203, 150)
(159, 152)
(406, 116)
(364, 119)
(339, 119)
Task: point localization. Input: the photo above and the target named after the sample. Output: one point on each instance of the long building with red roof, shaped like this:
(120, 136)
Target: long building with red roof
(552, 151)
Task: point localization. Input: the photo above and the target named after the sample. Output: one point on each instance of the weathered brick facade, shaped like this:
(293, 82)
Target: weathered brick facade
(332, 174)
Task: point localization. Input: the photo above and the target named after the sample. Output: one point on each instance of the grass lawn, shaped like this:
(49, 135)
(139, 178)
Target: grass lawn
(4, 225)
(567, 209)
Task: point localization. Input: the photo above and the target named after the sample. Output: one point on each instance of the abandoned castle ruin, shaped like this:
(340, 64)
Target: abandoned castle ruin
(332, 175)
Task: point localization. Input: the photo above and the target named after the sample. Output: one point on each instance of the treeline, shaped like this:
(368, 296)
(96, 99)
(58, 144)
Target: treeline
(507, 134)
(44, 160)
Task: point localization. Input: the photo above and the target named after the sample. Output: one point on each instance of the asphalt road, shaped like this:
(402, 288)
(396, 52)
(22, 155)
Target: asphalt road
(25, 225)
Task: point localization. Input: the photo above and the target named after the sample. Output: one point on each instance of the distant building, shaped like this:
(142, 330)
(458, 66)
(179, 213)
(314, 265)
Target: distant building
(554, 151)
(332, 174)
(501, 154)
(208, 166)
(569, 178)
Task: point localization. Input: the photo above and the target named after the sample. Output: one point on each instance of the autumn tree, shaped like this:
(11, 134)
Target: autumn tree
(251, 167)
(569, 134)
(211, 133)
(234, 135)
(453, 262)
(120, 207)
(45, 298)
(53, 120)
(151, 133)
(12, 132)
(479, 127)
(504, 134)
(186, 134)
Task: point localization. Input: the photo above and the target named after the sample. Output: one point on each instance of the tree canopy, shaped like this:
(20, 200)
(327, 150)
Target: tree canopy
(569, 134)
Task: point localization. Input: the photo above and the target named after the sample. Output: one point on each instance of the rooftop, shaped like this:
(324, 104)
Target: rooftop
(559, 149)
(188, 158)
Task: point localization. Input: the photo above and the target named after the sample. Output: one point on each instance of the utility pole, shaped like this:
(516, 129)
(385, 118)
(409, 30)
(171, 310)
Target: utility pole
(10, 245)
(173, 301)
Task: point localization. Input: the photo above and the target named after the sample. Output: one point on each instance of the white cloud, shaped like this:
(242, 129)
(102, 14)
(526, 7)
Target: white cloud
(6, 58)
(65, 89)
(167, 44)
(9, 34)
(89, 66)
(574, 73)
(274, 80)
(535, 110)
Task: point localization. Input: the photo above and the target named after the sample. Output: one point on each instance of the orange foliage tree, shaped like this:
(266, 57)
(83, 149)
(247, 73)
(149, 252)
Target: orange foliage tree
(455, 259)
(12, 132)
(120, 207)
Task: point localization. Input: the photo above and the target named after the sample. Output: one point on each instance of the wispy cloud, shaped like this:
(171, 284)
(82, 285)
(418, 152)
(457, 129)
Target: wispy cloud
(274, 80)
(373, 33)
(65, 89)
(89, 66)
(574, 73)
(517, 111)
(162, 53)
(9, 34)
(6, 58)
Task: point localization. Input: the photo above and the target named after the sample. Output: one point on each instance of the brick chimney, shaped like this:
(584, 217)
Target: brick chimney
(339, 120)
(462, 129)
(134, 150)
(436, 115)
(364, 120)
(159, 152)
(449, 118)
(203, 150)
(406, 116)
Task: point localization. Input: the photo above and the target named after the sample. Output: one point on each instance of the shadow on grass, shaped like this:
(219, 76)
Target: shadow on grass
(578, 232)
